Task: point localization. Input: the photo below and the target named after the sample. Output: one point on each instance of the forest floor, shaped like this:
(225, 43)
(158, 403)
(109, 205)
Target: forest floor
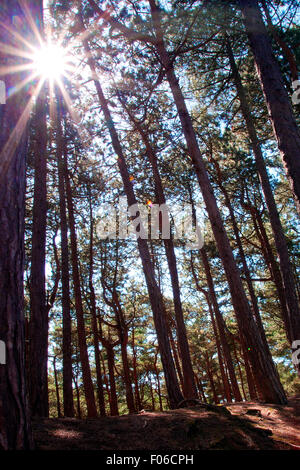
(238, 426)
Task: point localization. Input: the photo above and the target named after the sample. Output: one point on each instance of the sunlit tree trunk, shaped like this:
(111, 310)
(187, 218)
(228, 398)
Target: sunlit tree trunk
(277, 99)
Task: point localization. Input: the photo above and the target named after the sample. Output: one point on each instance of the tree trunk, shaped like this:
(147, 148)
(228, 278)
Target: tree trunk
(155, 295)
(65, 277)
(189, 389)
(38, 347)
(84, 358)
(77, 398)
(175, 355)
(211, 379)
(277, 99)
(38, 331)
(226, 385)
(200, 388)
(114, 411)
(127, 377)
(246, 270)
(217, 312)
(288, 53)
(292, 320)
(15, 432)
(262, 364)
(135, 375)
(56, 388)
(271, 263)
(100, 391)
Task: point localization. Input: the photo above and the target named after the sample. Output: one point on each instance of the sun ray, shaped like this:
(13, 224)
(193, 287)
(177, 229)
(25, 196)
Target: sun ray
(14, 51)
(17, 133)
(18, 36)
(11, 69)
(75, 117)
(22, 84)
(31, 21)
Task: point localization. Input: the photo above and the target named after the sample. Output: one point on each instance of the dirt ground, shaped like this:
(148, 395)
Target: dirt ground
(283, 421)
(267, 427)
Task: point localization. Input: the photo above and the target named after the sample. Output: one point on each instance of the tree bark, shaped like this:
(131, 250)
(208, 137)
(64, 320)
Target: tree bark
(114, 410)
(138, 404)
(292, 317)
(262, 364)
(278, 103)
(189, 388)
(38, 331)
(38, 349)
(211, 379)
(155, 295)
(15, 431)
(56, 389)
(68, 400)
(100, 390)
(81, 331)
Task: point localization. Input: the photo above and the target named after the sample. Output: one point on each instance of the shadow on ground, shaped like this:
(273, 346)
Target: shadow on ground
(194, 428)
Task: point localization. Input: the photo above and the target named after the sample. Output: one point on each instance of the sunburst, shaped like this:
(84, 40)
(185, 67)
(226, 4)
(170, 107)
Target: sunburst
(37, 62)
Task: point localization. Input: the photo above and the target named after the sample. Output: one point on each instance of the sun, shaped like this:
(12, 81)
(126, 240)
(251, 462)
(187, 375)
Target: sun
(51, 62)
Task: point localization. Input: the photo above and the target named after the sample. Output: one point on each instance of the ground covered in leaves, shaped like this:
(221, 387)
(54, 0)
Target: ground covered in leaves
(240, 426)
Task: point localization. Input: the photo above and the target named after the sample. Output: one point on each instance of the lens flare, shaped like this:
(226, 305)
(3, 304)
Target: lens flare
(51, 62)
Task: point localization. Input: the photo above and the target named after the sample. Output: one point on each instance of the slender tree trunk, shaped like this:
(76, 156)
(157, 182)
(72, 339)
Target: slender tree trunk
(135, 374)
(84, 358)
(200, 388)
(68, 401)
(155, 295)
(56, 388)
(114, 411)
(211, 379)
(151, 393)
(250, 379)
(38, 350)
(158, 388)
(15, 432)
(77, 398)
(38, 346)
(105, 375)
(226, 385)
(246, 270)
(188, 384)
(292, 320)
(289, 55)
(127, 374)
(217, 312)
(220, 323)
(100, 391)
(261, 361)
(278, 103)
(271, 263)
(175, 355)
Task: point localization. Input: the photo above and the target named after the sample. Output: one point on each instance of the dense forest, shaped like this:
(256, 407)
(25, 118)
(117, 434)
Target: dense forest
(149, 207)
